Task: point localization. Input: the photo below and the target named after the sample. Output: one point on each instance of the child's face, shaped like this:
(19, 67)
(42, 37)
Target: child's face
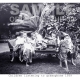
(53, 34)
(33, 36)
(24, 35)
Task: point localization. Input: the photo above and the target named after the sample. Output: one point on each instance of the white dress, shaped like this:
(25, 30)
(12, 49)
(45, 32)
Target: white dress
(29, 45)
(19, 41)
(66, 44)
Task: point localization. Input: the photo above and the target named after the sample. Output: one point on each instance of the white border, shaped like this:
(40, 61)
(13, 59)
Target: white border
(22, 77)
(8, 77)
(39, 1)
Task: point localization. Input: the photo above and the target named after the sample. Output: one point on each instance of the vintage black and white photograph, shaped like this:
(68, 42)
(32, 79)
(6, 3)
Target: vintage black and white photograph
(39, 38)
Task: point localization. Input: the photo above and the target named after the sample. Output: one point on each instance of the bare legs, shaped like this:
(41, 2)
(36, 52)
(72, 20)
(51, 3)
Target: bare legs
(60, 63)
(12, 56)
(72, 61)
(66, 64)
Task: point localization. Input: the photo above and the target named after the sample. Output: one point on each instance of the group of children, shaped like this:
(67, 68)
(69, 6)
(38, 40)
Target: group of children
(29, 44)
